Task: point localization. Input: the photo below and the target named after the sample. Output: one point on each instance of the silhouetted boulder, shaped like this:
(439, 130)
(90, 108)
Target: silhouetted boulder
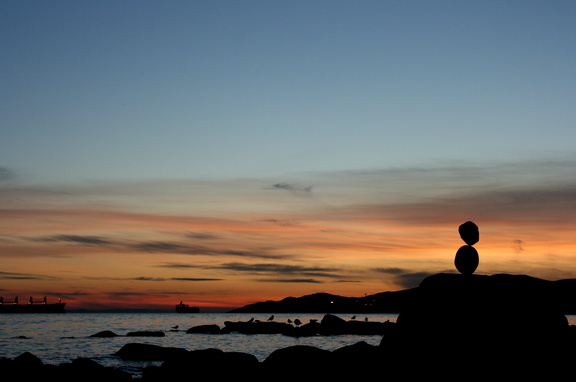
(306, 330)
(27, 361)
(104, 334)
(84, 369)
(202, 363)
(239, 363)
(299, 361)
(332, 324)
(29, 368)
(358, 360)
(26, 365)
(207, 329)
(257, 327)
(474, 320)
(195, 361)
(146, 333)
(474, 305)
(369, 327)
(5, 363)
(148, 352)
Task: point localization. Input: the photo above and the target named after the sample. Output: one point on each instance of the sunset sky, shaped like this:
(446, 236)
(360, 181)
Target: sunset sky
(227, 152)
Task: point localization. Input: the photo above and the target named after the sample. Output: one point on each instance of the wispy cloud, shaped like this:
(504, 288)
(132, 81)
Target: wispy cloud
(149, 278)
(265, 269)
(202, 236)
(290, 281)
(168, 247)
(76, 239)
(542, 205)
(518, 245)
(24, 276)
(178, 248)
(282, 269)
(6, 174)
(280, 222)
(173, 279)
(391, 271)
(292, 187)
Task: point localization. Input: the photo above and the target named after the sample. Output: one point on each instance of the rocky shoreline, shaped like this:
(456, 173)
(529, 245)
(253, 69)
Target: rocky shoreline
(180, 364)
(447, 359)
(457, 326)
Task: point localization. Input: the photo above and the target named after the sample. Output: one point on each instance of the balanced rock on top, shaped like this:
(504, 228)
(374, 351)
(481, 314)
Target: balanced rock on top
(469, 233)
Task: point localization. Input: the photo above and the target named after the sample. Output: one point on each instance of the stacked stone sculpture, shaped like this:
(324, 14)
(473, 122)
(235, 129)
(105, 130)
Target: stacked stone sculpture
(466, 260)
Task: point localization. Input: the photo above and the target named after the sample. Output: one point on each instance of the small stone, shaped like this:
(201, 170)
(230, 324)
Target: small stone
(105, 334)
(146, 333)
(469, 233)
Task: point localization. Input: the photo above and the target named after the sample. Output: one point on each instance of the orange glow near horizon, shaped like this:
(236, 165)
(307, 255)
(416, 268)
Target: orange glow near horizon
(268, 246)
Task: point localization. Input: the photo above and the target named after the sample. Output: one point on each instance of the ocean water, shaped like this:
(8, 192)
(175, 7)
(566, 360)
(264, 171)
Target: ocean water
(59, 338)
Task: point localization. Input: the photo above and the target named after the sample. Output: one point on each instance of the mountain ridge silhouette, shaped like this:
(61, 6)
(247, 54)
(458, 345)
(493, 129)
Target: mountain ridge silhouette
(383, 302)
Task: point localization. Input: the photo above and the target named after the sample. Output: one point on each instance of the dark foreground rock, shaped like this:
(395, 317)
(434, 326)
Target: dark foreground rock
(294, 362)
(140, 333)
(257, 327)
(149, 352)
(205, 329)
(29, 368)
(506, 325)
(104, 334)
(197, 364)
(146, 333)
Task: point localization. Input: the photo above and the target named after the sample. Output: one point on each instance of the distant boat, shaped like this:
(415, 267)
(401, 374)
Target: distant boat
(184, 308)
(33, 306)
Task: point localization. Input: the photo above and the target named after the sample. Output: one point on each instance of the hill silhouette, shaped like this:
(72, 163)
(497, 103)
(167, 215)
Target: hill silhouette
(383, 302)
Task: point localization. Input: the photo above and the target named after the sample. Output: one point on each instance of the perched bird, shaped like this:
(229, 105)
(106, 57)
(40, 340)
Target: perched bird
(365, 318)
(271, 318)
(175, 327)
(289, 321)
(251, 320)
(353, 317)
(297, 322)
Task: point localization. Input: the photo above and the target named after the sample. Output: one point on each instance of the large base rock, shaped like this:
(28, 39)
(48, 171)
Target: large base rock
(482, 325)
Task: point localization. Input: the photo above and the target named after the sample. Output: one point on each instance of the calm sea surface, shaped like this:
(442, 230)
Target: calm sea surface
(59, 338)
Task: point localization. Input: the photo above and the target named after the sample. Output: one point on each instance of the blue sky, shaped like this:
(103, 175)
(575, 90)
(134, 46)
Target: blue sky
(219, 89)
(220, 152)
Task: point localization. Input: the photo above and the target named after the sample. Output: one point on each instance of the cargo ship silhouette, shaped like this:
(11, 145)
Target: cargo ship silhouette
(184, 308)
(33, 306)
